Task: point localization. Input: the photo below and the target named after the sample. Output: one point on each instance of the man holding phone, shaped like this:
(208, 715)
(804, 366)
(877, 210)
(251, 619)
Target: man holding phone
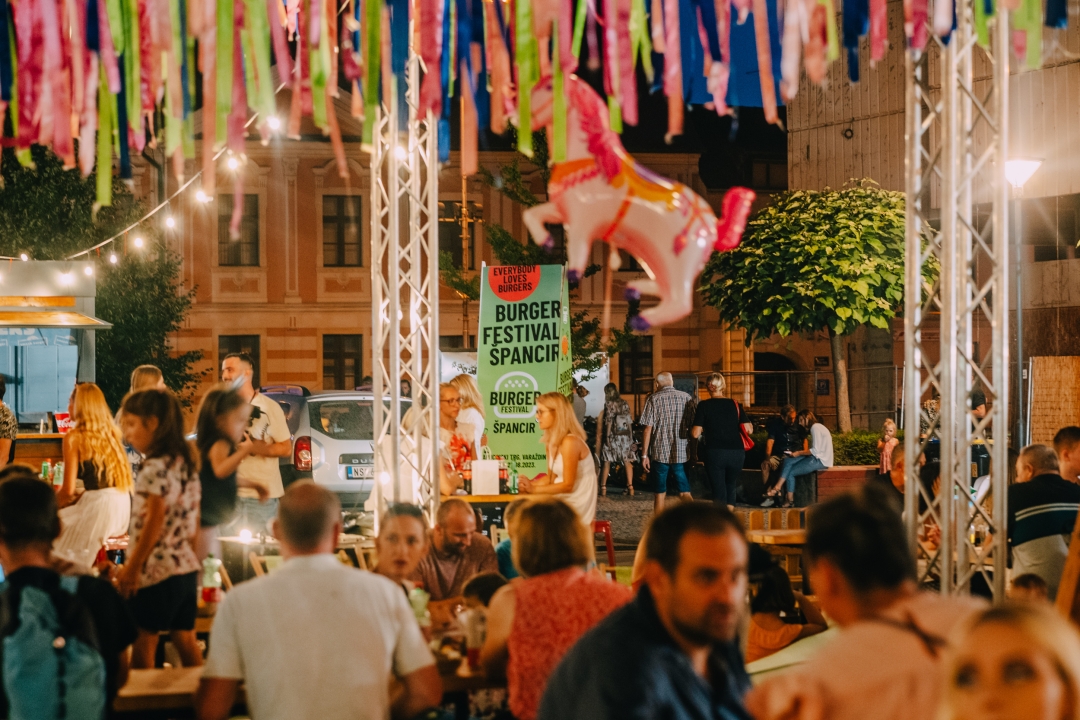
(270, 438)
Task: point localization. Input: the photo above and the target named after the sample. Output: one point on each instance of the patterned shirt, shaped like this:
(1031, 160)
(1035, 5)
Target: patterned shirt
(669, 412)
(9, 428)
(179, 487)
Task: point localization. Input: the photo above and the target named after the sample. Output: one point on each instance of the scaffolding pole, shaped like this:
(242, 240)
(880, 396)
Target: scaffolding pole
(957, 136)
(405, 300)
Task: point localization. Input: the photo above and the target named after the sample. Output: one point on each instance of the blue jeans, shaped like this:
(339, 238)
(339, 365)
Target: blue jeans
(723, 468)
(661, 470)
(802, 465)
(250, 515)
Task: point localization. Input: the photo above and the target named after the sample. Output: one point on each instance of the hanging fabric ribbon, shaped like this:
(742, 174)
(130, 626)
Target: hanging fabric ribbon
(856, 24)
(612, 62)
(879, 30)
(1057, 14)
(499, 62)
(106, 125)
(944, 19)
(791, 53)
(1027, 21)
(673, 85)
(431, 47)
(7, 75)
(371, 68)
(558, 102)
(224, 60)
(528, 74)
(816, 50)
(764, 55)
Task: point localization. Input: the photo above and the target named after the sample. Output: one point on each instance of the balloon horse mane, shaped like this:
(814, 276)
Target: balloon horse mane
(599, 192)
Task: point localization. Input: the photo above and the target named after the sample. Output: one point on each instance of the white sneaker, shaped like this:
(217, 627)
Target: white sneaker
(769, 502)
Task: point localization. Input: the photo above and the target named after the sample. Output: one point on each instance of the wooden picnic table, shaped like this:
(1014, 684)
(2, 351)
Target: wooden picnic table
(795, 536)
(173, 689)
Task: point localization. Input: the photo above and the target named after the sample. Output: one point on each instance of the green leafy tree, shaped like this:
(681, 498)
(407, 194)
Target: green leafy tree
(586, 335)
(816, 261)
(47, 212)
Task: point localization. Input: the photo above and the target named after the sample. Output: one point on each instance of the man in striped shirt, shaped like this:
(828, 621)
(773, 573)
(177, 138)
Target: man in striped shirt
(1042, 513)
(667, 417)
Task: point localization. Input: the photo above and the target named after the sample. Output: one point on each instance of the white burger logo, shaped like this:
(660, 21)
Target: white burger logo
(514, 395)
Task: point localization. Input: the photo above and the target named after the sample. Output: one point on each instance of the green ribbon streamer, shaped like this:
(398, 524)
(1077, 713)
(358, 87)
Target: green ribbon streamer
(114, 9)
(640, 42)
(21, 154)
(106, 100)
(173, 115)
(1029, 17)
(558, 109)
(982, 33)
(319, 61)
(188, 136)
(372, 11)
(453, 43)
(223, 102)
(579, 27)
(832, 46)
(528, 73)
(614, 114)
(258, 24)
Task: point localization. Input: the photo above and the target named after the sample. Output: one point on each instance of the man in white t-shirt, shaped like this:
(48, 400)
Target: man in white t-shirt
(270, 438)
(316, 638)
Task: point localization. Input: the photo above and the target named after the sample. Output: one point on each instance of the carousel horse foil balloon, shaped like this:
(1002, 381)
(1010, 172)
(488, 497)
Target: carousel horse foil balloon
(599, 192)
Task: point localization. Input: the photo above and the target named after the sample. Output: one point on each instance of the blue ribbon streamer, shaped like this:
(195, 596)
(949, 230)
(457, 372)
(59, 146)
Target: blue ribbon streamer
(744, 85)
(6, 71)
(122, 124)
(1057, 14)
(399, 55)
(184, 71)
(444, 72)
(480, 90)
(856, 24)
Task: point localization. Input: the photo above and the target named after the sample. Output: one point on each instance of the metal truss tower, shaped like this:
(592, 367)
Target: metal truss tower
(405, 296)
(957, 139)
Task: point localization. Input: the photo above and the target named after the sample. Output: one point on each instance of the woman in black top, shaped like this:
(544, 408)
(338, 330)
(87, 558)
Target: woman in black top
(716, 425)
(222, 444)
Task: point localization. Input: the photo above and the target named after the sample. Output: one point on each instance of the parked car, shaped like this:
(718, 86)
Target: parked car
(333, 434)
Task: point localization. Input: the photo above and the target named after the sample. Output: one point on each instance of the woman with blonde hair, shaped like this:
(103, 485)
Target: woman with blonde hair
(94, 454)
(472, 408)
(1016, 662)
(147, 377)
(559, 601)
(571, 472)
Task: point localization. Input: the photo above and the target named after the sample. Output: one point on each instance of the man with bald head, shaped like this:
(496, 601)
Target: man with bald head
(316, 638)
(1042, 513)
(667, 417)
(456, 554)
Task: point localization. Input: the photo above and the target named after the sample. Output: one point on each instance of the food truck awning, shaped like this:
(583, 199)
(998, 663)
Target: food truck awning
(50, 319)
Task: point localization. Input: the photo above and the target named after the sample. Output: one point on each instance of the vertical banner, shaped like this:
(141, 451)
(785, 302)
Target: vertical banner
(524, 352)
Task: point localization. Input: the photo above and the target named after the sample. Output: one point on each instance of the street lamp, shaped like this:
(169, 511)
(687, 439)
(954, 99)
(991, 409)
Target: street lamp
(1018, 172)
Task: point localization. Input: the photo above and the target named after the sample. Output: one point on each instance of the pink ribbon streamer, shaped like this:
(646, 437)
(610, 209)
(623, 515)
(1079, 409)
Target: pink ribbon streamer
(817, 41)
(791, 50)
(108, 50)
(627, 80)
(764, 54)
(29, 71)
(879, 30)
(673, 70)
(431, 49)
(720, 72)
(87, 147)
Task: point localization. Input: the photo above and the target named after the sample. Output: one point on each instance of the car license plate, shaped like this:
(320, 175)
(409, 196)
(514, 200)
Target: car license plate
(357, 472)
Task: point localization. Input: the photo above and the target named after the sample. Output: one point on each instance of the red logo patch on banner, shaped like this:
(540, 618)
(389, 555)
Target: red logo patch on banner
(514, 282)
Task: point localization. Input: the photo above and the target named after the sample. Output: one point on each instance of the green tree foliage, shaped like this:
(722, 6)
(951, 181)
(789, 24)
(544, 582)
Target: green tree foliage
(586, 341)
(813, 261)
(47, 212)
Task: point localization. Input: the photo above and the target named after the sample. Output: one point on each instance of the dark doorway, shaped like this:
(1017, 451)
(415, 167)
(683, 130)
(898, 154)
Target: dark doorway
(774, 385)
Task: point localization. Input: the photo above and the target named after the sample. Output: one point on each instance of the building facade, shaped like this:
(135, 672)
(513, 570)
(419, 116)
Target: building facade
(294, 290)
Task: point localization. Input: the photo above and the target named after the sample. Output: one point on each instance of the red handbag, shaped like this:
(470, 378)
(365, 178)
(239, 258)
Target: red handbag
(747, 441)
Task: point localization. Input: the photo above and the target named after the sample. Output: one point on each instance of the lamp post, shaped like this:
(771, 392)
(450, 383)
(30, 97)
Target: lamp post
(1018, 172)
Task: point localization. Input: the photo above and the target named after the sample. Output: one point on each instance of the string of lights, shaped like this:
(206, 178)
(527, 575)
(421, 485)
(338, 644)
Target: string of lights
(170, 222)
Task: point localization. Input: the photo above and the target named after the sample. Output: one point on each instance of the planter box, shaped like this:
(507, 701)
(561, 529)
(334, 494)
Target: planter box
(842, 478)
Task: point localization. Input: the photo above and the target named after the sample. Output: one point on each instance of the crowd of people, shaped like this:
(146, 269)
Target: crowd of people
(318, 638)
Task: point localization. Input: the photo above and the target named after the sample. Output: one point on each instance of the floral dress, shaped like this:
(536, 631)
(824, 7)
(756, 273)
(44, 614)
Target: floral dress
(618, 432)
(178, 486)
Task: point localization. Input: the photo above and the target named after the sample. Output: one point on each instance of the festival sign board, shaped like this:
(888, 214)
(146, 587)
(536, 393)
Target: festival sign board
(524, 352)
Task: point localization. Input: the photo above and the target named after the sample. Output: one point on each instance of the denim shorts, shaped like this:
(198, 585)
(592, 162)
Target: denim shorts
(660, 472)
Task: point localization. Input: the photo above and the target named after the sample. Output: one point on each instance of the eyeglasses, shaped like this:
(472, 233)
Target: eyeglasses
(451, 401)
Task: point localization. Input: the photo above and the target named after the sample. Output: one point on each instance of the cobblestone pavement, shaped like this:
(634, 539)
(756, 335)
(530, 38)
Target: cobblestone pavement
(628, 515)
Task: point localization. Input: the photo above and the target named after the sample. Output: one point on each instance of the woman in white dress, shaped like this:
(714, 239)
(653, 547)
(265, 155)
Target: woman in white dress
(472, 409)
(571, 472)
(93, 453)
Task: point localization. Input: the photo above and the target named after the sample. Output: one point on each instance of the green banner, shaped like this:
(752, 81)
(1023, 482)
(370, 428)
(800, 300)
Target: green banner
(524, 352)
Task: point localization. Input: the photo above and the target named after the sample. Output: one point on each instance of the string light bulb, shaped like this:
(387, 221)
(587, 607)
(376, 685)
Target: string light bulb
(88, 270)
(112, 258)
(233, 163)
(24, 257)
(201, 196)
(273, 122)
(138, 242)
(66, 278)
(170, 222)
(400, 153)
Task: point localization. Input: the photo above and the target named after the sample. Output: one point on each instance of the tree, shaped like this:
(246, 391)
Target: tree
(586, 342)
(812, 261)
(47, 212)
